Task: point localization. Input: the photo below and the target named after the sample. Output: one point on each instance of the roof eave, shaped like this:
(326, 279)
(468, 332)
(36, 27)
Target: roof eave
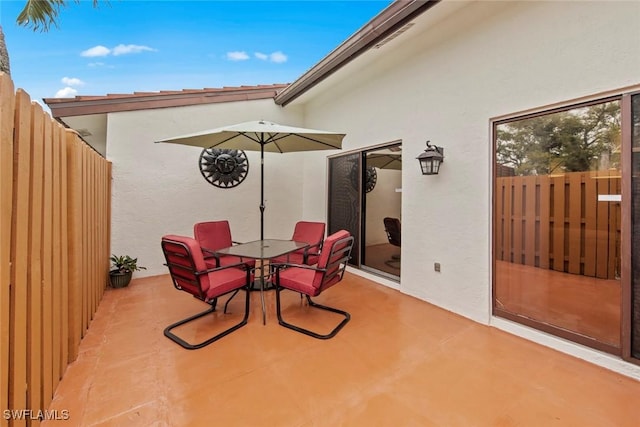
(66, 107)
(385, 23)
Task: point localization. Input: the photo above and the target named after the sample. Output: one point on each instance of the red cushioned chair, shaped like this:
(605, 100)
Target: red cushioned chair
(307, 232)
(312, 281)
(189, 273)
(213, 236)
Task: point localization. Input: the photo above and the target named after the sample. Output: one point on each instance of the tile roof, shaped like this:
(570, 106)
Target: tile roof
(88, 104)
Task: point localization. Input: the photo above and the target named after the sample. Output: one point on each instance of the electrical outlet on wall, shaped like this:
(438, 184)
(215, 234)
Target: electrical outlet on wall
(436, 266)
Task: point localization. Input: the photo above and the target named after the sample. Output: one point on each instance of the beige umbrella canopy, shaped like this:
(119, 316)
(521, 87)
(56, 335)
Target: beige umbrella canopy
(262, 136)
(385, 161)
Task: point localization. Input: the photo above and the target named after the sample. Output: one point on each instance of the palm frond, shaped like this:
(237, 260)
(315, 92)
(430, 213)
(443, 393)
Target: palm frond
(39, 15)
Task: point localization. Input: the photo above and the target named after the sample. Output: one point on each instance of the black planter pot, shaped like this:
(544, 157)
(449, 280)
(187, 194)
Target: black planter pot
(120, 280)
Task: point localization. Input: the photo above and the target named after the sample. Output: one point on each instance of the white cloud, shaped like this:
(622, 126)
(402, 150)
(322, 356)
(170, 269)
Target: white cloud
(96, 64)
(72, 81)
(123, 49)
(277, 57)
(67, 92)
(96, 51)
(237, 56)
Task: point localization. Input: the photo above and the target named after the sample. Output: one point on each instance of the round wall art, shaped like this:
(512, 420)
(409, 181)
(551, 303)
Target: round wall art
(224, 168)
(370, 178)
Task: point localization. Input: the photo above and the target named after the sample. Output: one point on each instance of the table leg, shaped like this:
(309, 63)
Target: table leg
(261, 288)
(264, 311)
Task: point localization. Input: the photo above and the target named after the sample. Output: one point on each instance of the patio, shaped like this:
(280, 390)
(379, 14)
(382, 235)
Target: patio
(400, 361)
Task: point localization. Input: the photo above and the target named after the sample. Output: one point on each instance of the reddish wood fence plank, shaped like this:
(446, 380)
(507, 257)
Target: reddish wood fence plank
(47, 267)
(7, 106)
(20, 254)
(574, 225)
(590, 224)
(558, 215)
(34, 338)
(544, 218)
(529, 215)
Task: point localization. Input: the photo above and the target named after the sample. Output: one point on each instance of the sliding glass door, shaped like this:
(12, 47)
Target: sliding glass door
(557, 223)
(345, 199)
(382, 211)
(365, 198)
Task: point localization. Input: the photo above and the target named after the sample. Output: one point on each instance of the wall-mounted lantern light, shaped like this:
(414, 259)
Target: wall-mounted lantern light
(431, 159)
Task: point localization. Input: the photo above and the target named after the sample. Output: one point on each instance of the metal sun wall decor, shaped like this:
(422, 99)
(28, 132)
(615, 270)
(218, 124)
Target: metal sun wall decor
(223, 167)
(370, 178)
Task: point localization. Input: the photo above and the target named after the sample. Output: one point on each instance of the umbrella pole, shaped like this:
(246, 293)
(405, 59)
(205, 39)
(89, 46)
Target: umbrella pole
(262, 206)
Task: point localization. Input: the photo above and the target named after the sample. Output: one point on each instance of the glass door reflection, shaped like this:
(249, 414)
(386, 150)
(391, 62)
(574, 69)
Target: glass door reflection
(382, 205)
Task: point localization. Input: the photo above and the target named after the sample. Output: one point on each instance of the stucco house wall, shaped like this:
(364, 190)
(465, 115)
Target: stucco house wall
(444, 80)
(158, 188)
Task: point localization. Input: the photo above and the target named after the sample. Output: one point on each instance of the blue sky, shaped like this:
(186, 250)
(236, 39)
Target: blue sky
(125, 46)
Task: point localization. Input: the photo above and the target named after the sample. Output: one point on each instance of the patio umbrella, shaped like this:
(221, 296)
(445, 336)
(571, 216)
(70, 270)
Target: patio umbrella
(262, 136)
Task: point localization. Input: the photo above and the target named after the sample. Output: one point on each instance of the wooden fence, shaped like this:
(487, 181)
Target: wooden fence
(55, 194)
(557, 222)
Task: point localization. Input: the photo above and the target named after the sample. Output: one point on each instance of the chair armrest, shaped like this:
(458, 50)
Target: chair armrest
(281, 265)
(307, 251)
(208, 254)
(239, 264)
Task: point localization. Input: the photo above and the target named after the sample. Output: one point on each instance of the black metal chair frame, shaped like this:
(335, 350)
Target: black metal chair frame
(306, 253)
(394, 239)
(346, 254)
(212, 302)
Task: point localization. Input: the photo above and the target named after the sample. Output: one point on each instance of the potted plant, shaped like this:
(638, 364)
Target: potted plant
(122, 269)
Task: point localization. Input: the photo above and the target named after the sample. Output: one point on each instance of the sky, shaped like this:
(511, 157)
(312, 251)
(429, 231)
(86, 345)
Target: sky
(126, 46)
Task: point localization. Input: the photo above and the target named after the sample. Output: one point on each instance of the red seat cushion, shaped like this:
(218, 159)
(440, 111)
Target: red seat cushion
(299, 280)
(226, 280)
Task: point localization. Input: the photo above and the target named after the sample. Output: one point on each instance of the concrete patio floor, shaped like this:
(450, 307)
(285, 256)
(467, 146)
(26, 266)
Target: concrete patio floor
(399, 362)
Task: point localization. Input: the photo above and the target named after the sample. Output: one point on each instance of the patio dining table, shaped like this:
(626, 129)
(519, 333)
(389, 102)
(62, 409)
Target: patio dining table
(263, 250)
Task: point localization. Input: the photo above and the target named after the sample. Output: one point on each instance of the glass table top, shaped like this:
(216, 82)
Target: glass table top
(263, 249)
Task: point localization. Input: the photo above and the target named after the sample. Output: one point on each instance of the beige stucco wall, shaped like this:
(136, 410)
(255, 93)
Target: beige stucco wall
(444, 80)
(158, 188)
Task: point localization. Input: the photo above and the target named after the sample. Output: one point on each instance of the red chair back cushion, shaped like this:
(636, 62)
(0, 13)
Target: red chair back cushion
(184, 259)
(213, 235)
(326, 258)
(308, 232)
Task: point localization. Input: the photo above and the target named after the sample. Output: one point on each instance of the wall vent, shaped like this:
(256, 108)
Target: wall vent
(401, 30)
